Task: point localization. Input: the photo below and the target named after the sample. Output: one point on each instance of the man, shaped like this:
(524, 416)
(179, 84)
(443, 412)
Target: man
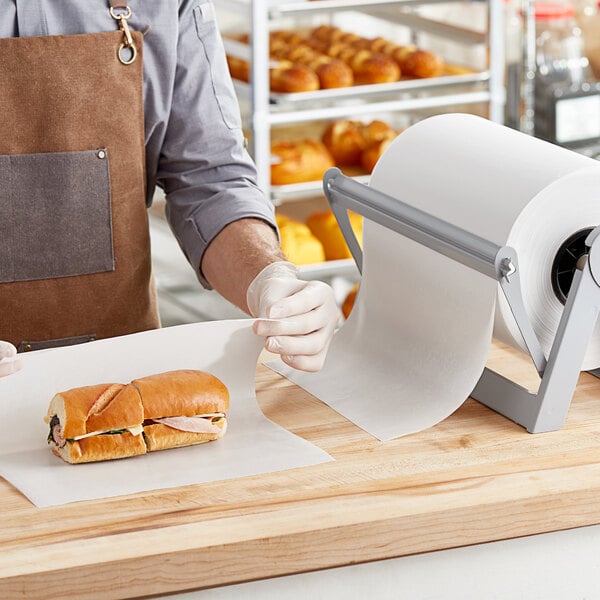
(75, 137)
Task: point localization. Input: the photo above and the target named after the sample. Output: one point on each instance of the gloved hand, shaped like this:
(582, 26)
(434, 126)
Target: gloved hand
(7, 367)
(305, 314)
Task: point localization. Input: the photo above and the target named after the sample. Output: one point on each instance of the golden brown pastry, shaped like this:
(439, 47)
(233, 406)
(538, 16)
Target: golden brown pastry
(418, 63)
(332, 73)
(373, 152)
(375, 131)
(299, 161)
(287, 77)
(298, 244)
(412, 61)
(345, 141)
(354, 143)
(290, 78)
(349, 300)
(238, 68)
(325, 228)
(368, 67)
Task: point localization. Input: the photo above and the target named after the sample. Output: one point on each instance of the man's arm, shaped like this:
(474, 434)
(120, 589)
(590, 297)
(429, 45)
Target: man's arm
(245, 265)
(236, 255)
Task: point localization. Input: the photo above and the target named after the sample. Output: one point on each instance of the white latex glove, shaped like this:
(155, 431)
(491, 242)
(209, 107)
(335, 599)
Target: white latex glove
(305, 314)
(8, 363)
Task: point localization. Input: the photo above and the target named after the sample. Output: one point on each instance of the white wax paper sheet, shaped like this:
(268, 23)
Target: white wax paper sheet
(229, 349)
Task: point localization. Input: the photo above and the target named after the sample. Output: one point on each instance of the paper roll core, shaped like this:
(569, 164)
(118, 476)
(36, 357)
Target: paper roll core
(565, 263)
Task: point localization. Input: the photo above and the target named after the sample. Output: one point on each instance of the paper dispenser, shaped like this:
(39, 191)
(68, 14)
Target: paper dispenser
(545, 410)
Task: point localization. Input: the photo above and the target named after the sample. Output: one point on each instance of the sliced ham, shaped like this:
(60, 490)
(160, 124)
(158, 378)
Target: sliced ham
(193, 424)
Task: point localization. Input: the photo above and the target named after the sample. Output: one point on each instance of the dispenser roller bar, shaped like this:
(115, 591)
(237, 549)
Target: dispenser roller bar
(462, 246)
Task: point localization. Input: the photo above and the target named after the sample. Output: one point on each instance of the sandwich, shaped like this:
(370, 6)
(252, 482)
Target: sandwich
(182, 408)
(114, 420)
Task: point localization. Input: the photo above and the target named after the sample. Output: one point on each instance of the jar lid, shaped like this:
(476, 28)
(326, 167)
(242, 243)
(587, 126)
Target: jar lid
(545, 11)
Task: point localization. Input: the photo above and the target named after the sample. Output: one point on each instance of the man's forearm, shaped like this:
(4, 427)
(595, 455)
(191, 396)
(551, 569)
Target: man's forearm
(236, 255)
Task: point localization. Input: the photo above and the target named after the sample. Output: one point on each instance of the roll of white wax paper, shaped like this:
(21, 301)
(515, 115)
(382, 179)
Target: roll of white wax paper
(418, 338)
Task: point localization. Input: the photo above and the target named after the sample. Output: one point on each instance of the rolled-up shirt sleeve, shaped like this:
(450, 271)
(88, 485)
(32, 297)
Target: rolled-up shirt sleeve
(207, 175)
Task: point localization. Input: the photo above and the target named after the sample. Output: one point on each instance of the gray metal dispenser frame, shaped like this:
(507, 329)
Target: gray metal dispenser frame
(545, 410)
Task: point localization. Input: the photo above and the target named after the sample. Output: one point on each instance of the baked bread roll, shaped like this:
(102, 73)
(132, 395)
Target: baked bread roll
(332, 73)
(368, 67)
(182, 408)
(238, 68)
(325, 228)
(373, 152)
(349, 300)
(299, 161)
(376, 131)
(110, 421)
(418, 63)
(96, 422)
(290, 78)
(412, 61)
(298, 244)
(354, 143)
(345, 141)
(286, 78)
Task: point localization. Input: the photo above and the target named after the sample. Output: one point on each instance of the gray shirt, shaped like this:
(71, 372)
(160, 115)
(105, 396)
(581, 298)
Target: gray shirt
(194, 141)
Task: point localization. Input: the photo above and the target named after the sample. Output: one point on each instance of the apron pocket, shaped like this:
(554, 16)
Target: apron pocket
(55, 215)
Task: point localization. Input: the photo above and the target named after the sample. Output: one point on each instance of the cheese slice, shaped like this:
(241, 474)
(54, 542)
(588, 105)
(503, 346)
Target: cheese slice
(135, 430)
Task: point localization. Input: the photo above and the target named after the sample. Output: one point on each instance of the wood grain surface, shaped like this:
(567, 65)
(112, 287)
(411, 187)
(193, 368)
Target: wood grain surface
(475, 477)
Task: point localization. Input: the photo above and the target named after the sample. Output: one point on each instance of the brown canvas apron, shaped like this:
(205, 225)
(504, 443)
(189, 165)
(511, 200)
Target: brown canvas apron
(74, 239)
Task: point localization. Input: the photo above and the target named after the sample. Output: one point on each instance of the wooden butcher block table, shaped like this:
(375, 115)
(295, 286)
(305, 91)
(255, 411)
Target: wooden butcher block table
(475, 477)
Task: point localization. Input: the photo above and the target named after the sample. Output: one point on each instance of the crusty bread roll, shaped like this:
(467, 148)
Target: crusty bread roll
(290, 78)
(368, 67)
(298, 244)
(103, 407)
(184, 393)
(354, 143)
(412, 61)
(345, 141)
(332, 73)
(286, 78)
(97, 407)
(163, 437)
(373, 152)
(349, 300)
(238, 68)
(110, 421)
(325, 228)
(375, 131)
(415, 62)
(102, 447)
(299, 161)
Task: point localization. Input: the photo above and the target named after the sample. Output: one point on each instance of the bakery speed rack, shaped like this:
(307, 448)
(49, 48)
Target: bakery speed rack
(267, 110)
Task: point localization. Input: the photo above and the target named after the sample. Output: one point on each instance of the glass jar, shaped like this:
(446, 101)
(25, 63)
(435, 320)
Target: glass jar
(560, 54)
(566, 99)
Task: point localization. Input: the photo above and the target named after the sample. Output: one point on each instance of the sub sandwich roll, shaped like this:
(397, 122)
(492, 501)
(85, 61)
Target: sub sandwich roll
(182, 408)
(93, 423)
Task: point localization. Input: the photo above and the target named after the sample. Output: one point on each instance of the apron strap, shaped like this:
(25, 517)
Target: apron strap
(116, 8)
